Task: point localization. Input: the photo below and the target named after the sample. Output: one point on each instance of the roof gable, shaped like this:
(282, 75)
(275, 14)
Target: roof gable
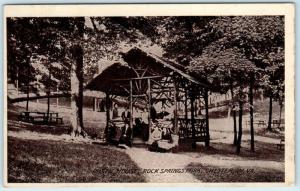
(140, 64)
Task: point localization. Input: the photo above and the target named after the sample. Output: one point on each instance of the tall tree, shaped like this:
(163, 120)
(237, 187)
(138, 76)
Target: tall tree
(273, 82)
(76, 54)
(74, 45)
(255, 37)
(252, 37)
(35, 41)
(227, 67)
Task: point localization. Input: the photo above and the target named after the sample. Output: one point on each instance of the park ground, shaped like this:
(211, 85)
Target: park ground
(47, 154)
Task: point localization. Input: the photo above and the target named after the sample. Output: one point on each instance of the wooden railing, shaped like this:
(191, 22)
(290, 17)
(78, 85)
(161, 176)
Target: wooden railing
(186, 131)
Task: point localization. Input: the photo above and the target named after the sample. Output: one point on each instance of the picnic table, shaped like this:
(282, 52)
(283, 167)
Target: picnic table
(278, 124)
(259, 123)
(40, 117)
(275, 123)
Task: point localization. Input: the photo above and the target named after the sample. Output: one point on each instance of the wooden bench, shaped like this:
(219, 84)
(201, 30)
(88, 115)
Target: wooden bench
(56, 120)
(261, 123)
(30, 117)
(40, 117)
(258, 123)
(278, 124)
(280, 146)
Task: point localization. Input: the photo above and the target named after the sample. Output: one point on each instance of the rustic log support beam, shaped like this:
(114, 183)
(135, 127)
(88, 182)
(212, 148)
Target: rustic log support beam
(149, 106)
(107, 107)
(193, 119)
(131, 108)
(186, 108)
(175, 109)
(206, 117)
(54, 95)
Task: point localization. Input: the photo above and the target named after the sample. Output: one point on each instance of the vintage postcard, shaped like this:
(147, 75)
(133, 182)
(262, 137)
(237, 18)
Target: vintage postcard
(149, 93)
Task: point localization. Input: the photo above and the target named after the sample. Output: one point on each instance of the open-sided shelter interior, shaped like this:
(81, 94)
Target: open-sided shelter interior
(148, 80)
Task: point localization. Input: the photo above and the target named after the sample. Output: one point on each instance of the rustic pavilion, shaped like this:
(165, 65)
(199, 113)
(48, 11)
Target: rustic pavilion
(148, 79)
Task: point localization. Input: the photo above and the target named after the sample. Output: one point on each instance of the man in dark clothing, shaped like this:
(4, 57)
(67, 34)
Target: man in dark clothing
(153, 113)
(115, 112)
(126, 135)
(126, 116)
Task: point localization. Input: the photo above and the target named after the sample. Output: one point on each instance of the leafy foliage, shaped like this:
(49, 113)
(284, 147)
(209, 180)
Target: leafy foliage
(183, 38)
(43, 45)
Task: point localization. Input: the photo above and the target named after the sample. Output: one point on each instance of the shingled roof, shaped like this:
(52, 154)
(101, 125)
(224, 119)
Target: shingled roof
(115, 77)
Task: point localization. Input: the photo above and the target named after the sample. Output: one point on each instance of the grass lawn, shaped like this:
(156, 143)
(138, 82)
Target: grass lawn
(32, 161)
(94, 122)
(207, 173)
(49, 161)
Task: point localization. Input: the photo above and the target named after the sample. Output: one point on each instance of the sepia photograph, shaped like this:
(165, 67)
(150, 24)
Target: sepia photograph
(148, 98)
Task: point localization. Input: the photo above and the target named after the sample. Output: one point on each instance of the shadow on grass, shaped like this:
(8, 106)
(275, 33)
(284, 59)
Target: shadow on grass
(219, 174)
(14, 125)
(263, 151)
(274, 133)
(52, 161)
(59, 129)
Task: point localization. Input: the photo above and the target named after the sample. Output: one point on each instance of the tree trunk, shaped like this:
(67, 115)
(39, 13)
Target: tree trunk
(27, 101)
(77, 82)
(77, 92)
(270, 114)
(233, 116)
(57, 98)
(48, 94)
(234, 129)
(48, 104)
(17, 83)
(239, 139)
(251, 113)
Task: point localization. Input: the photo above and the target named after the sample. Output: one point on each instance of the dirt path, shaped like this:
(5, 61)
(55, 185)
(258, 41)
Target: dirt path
(152, 160)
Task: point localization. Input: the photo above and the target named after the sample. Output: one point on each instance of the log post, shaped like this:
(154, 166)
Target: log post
(95, 104)
(251, 87)
(131, 110)
(193, 118)
(149, 106)
(186, 107)
(175, 109)
(206, 117)
(107, 115)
